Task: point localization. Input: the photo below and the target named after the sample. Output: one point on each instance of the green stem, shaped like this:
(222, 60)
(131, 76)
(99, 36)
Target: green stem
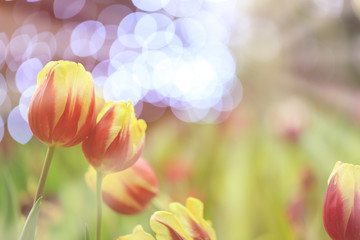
(99, 178)
(44, 172)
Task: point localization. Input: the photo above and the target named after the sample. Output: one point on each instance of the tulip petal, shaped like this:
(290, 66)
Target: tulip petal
(43, 74)
(196, 207)
(166, 227)
(352, 230)
(138, 234)
(79, 107)
(191, 222)
(333, 216)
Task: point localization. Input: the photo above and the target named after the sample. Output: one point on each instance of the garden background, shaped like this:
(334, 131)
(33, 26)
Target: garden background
(249, 104)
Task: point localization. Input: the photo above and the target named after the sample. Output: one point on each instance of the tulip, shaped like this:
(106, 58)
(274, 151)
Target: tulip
(117, 139)
(182, 223)
(62, 109)
(129, 191)
(342, 203)
(115, 144)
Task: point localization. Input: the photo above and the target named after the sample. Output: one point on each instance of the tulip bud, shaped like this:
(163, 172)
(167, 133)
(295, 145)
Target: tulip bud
(342, 203)
(62, 109)
(128, 191)
(117, 140)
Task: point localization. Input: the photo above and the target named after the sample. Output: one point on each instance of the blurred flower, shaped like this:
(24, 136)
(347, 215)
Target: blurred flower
(62, 109)
(117, 139)
(299, 208)
(290, 118)
(178, 170)
(342, 202)
(128, 191)
(182, 222)
(137, 234)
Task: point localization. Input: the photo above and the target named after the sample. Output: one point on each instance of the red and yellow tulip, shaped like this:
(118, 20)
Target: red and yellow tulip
(342, 203)
(129, 191)
(181, 223)
(117, 140)
(62, 109)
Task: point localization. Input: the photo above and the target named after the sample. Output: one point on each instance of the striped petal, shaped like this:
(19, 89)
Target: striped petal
(167, 227)
(182, 222)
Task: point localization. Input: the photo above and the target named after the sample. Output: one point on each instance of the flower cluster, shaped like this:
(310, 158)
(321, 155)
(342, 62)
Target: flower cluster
(62, 114)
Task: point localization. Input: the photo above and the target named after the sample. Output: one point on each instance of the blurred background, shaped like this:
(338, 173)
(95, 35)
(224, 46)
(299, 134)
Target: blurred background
(249, 104)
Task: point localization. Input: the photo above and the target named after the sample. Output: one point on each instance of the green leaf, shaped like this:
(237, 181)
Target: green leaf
(28, 232)
(87, 235)
(8, 203)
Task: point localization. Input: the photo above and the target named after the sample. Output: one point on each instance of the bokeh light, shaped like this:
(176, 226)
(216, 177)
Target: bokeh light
(154, 30)
(87, 38)
(25, 102)
(150, 5)
(3, 89)
(18, 127)
(113, 14)
(123, 85)
(164, 53)
(68, 8)
(126, 30)
(27, 73)
(192, 33)
(1, 128)
(183, 8)
(3, 49)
